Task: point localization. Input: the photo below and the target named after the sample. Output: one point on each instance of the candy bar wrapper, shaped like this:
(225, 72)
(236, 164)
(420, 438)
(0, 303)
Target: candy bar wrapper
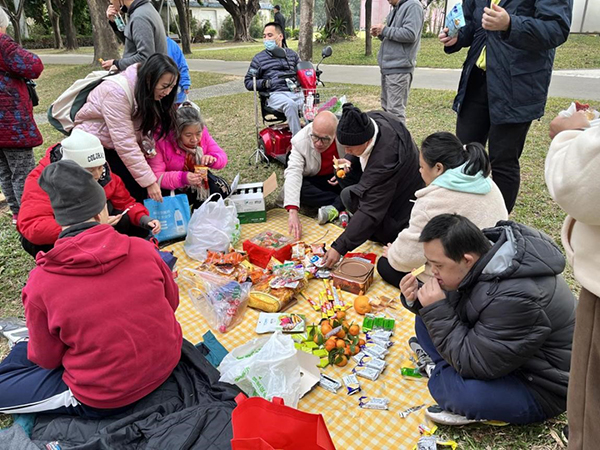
(374, 403)
(375, 351)
(367, 372)
(330, 384)
(404, 414)
(287, 323)
(427, 443)
(373, 363)
(455, 20)
(380, 334)
(351, 383)
(359, 357)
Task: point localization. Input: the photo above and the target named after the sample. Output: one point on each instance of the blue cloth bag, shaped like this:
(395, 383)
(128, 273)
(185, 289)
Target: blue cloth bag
(173, 214)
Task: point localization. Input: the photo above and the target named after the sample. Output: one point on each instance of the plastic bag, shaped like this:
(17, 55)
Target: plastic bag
(213, 226)
(265, 367)
(220, 300)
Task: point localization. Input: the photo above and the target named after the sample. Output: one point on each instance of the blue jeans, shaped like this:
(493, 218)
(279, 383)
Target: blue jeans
(28, 388)
(506, 399)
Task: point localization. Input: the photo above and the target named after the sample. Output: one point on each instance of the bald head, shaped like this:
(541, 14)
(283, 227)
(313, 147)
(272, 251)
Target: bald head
(323, 130)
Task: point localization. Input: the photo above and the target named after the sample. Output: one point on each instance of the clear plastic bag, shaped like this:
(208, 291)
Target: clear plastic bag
(220, 300)
(265, 367)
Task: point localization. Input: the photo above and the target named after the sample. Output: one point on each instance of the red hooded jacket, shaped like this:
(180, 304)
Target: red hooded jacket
(17, 126)
(117, 340)
(36, 218)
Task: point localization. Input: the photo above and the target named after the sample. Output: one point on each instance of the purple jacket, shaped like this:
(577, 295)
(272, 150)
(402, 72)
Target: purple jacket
(169, 162)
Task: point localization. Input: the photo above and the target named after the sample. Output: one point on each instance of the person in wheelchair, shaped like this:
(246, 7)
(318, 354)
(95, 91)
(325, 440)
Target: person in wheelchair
(268, 70)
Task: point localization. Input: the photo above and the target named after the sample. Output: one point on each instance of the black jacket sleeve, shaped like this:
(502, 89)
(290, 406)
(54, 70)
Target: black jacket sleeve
(255, 68)
(509, 331)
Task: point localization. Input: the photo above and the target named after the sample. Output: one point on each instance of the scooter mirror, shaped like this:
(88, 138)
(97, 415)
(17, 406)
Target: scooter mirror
(326, 52)
(278, 52)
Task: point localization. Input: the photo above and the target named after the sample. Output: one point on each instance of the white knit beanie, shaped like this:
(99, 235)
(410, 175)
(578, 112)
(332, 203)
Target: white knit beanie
(83, 148)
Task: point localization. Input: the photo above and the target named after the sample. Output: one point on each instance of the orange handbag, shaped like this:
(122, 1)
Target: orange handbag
(262, 425)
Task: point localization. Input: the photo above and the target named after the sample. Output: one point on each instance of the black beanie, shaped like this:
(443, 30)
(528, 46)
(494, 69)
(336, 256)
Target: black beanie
(74, 194)
(355, 127)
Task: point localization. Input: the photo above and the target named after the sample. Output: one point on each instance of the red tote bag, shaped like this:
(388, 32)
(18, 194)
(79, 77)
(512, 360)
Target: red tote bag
(262, 425)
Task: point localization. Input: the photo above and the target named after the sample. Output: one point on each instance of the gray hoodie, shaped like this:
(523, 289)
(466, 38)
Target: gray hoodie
(144, 34)
(401, 38)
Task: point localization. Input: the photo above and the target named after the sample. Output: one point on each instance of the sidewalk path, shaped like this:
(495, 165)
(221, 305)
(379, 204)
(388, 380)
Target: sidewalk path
(571, 84)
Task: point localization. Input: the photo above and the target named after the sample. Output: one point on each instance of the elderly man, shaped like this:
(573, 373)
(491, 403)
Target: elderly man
(268, 70)
(389, 177)
(309, 176)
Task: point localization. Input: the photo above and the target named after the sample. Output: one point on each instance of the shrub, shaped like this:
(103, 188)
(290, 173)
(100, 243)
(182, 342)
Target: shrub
(256, 27)
(48, 42)
(227, 30)
(204, 29)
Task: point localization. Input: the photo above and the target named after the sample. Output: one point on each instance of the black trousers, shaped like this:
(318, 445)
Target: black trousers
(506, 141)
(317, 192)
(118, 166)
(388, 273)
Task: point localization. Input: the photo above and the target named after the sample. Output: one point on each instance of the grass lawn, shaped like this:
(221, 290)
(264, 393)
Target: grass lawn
(579, 52)
(232, 127)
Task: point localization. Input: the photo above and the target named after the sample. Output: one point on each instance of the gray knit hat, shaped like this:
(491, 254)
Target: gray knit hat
(74, 194)
(355, 127)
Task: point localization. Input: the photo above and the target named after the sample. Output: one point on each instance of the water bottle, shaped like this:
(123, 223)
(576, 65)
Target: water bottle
(344, 218)
(119, 23)
(291, 85)
(179, 225)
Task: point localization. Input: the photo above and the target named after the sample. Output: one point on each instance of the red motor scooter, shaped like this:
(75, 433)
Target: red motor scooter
(274, 141)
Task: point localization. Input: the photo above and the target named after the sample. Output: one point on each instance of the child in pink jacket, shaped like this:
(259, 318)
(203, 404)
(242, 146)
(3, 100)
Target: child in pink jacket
(182, 150)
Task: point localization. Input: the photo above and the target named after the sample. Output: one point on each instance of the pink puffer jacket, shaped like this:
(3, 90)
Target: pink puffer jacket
(107, 114)
(169, 161)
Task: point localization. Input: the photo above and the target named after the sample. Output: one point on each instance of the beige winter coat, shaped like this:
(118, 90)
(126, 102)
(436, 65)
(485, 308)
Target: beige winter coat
(572, 176)
(484, 210)
(304, 161)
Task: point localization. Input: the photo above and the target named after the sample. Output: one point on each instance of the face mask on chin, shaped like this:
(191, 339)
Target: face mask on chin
(270, 44)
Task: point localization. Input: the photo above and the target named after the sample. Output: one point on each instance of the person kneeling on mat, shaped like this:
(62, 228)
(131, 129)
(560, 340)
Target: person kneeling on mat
(496, 319)
(96, 342)
(39, 228)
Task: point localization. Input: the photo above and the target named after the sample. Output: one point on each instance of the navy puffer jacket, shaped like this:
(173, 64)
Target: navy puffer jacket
(269, 68)
(519, 61)
(512, 314)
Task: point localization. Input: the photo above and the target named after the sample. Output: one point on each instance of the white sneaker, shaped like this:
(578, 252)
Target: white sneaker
(442, 417)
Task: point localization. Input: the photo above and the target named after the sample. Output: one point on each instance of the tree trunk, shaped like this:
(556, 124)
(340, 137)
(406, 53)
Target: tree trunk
(305, 38)
(339, 19)
(66, 15)
(54, 19)
(293, 14)
(14, 14)
(184, 26)
(242, 12)
(368, 37)
(106, 45)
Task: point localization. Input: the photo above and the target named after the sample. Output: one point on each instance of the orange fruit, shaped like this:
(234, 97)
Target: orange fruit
(341, 361)
(330, 344)
(362, 305)
(341, 173)
(354, 330)
(345, 324)
(340, 343)
(319, 339)
(347, 351)
(362, 342)
(326, 328)
(341, 334)
(340, 315)
(356, 349)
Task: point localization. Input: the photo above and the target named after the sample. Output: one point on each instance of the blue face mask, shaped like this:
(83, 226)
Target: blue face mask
(270, 44)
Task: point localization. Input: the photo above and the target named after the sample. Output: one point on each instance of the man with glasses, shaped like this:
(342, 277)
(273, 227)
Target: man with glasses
(309, 176)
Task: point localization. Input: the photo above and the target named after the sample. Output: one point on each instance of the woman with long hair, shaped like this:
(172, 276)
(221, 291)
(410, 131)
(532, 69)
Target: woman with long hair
(457, 181)
(126, 115)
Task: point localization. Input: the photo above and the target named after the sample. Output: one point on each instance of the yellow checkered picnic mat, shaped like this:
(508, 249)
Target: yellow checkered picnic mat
(351, 427)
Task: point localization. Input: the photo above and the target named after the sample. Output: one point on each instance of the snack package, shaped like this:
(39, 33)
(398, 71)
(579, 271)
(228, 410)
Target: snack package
(287, 323)
(455, 20)
(220, 300)
(592, 115)
(268, 299)
(266, 245)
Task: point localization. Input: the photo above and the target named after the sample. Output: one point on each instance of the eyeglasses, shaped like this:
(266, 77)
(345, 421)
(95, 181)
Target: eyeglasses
(323, 139)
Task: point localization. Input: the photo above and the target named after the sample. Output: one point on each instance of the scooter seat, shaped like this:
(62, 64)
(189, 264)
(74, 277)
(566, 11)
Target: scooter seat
(270, 115)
